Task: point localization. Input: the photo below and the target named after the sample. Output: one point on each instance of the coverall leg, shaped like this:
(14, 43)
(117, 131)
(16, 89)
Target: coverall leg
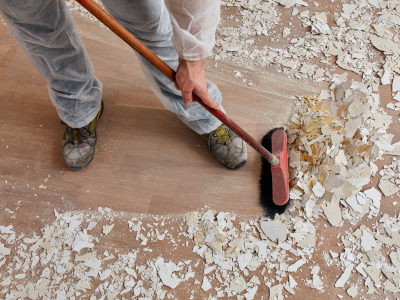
(46, 32)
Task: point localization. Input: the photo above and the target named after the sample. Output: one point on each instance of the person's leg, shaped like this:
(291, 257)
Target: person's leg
(46, 32)
(149, 21)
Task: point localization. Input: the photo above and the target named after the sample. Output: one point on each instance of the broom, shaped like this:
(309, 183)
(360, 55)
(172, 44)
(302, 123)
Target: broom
(278, 184)
(276, 142)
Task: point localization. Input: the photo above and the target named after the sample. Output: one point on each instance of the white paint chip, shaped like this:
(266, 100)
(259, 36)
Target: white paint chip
(397, 97)
(296, 265)
(352, 201)
(292, 282)
(385, 78)
(388, 188)
(333, 254)
(91, 225)
(165, 271)
(345, 276)
(374, 195)
(360, 269)
(318, 190)
(107, 228)
(206, 285)
(275, 292)
(274, 230)
(244, 259)
(6, 281)
(341, 158)
(352, 291)
(396, 84)
(251, 292)
(367, 241)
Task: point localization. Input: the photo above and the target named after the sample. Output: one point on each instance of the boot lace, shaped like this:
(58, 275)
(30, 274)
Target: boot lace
(222, 132)
(77, 134)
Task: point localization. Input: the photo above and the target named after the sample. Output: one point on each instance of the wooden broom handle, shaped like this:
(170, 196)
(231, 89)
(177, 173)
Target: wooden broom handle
(138, 46)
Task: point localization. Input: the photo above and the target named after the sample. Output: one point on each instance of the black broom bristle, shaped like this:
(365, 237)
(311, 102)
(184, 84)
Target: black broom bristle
(266, 201)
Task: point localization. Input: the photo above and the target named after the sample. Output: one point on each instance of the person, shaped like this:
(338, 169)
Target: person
(180, 32)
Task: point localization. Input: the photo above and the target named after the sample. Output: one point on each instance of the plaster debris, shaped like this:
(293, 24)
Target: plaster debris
(347, 41)
(275, 292)
(396, 84)
(352, 291)
(206, 284)
(390, 287)
(296, 265)
(274, 230)
(332, 212)
(255, 280)
(334, 140)
(354, 204)
(360, 269)
(332, 135)
(316, 282)
(107, 229)
(367, 241)
(238, 74)
(345, 276)
(390, 178)
(292, 282)
(385, 78)
(165, 271)
(333, 254)
(251, 292)
(318, 190)
(91, 225)
(384, 45)
(387, 187)
(230, 252)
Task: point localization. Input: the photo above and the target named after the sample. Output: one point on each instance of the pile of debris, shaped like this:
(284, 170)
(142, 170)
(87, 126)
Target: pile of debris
(236, 253)
(64, 262)
(363, 31)
(334, 140)
(364, 253)
(235, 258)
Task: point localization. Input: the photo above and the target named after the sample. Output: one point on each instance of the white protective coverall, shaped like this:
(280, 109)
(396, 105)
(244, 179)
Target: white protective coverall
(46, 32)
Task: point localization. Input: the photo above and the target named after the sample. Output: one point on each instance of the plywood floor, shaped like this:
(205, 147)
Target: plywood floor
(147, 160)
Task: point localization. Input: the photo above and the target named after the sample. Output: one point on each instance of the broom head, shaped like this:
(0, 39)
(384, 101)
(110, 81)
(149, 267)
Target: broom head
(280, 173)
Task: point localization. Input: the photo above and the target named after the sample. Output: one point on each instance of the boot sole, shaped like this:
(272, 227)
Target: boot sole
(238, 166)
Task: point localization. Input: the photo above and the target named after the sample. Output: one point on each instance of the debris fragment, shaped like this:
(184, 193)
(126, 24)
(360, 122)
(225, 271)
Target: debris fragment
(107, 229)
(274, 230)
(206, 284)
(352, 291)
(296, 265)
(345, 276)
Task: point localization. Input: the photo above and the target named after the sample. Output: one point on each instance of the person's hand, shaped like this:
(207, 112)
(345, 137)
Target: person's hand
(191, 78)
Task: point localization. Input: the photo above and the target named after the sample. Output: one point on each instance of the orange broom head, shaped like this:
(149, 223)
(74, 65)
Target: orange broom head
(280, 173)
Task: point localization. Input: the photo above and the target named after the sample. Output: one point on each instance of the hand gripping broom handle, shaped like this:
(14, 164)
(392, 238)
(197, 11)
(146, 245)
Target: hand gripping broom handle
(132, 41)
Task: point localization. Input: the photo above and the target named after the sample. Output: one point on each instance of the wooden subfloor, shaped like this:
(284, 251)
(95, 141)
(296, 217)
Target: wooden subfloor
(147, 160)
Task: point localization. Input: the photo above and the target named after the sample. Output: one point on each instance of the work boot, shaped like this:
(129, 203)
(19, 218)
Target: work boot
(227, 146)
(79, 144)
